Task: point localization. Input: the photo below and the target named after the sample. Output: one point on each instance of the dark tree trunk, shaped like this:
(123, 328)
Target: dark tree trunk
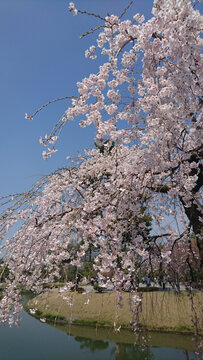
(194, 211)
(195, 215)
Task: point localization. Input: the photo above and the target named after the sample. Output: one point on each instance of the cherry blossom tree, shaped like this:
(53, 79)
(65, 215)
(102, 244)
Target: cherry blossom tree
(146, 104)
(162, 107)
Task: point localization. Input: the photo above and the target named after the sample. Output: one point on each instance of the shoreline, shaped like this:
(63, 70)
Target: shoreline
(161, 311)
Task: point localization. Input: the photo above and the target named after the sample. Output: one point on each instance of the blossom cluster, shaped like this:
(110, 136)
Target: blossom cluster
(72, 8)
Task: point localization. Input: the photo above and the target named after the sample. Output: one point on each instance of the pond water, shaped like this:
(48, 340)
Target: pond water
(34, 340)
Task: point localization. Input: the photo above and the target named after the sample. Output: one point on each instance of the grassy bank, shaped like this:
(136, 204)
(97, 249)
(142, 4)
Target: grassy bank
(164, 311)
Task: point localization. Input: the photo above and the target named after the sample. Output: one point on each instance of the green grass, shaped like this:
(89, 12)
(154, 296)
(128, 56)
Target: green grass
(91, 322)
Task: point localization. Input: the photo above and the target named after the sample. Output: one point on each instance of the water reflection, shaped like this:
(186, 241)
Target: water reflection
(123, 351)
(91, 344)
(131, 352)
(119, 351)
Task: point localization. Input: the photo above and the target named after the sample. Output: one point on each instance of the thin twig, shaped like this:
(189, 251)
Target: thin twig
(126, 9)
(180, 237)
(91, 31)
(50, 102)
(125, 43)
(91, 14)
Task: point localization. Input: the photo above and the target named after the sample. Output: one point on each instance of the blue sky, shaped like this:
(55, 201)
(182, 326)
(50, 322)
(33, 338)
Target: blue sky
(41, 59)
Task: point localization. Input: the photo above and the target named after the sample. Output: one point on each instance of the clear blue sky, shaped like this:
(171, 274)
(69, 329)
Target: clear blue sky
(42, 58)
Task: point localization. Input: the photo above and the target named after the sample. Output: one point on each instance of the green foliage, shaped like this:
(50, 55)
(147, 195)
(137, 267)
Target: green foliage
(4, 271)
(98, 288)
(53, 318)
(107, 145)
(38, 313)
(88, 270)
(67, 272)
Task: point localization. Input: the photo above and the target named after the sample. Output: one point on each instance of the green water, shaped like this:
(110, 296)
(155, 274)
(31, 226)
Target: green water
(34, 340)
